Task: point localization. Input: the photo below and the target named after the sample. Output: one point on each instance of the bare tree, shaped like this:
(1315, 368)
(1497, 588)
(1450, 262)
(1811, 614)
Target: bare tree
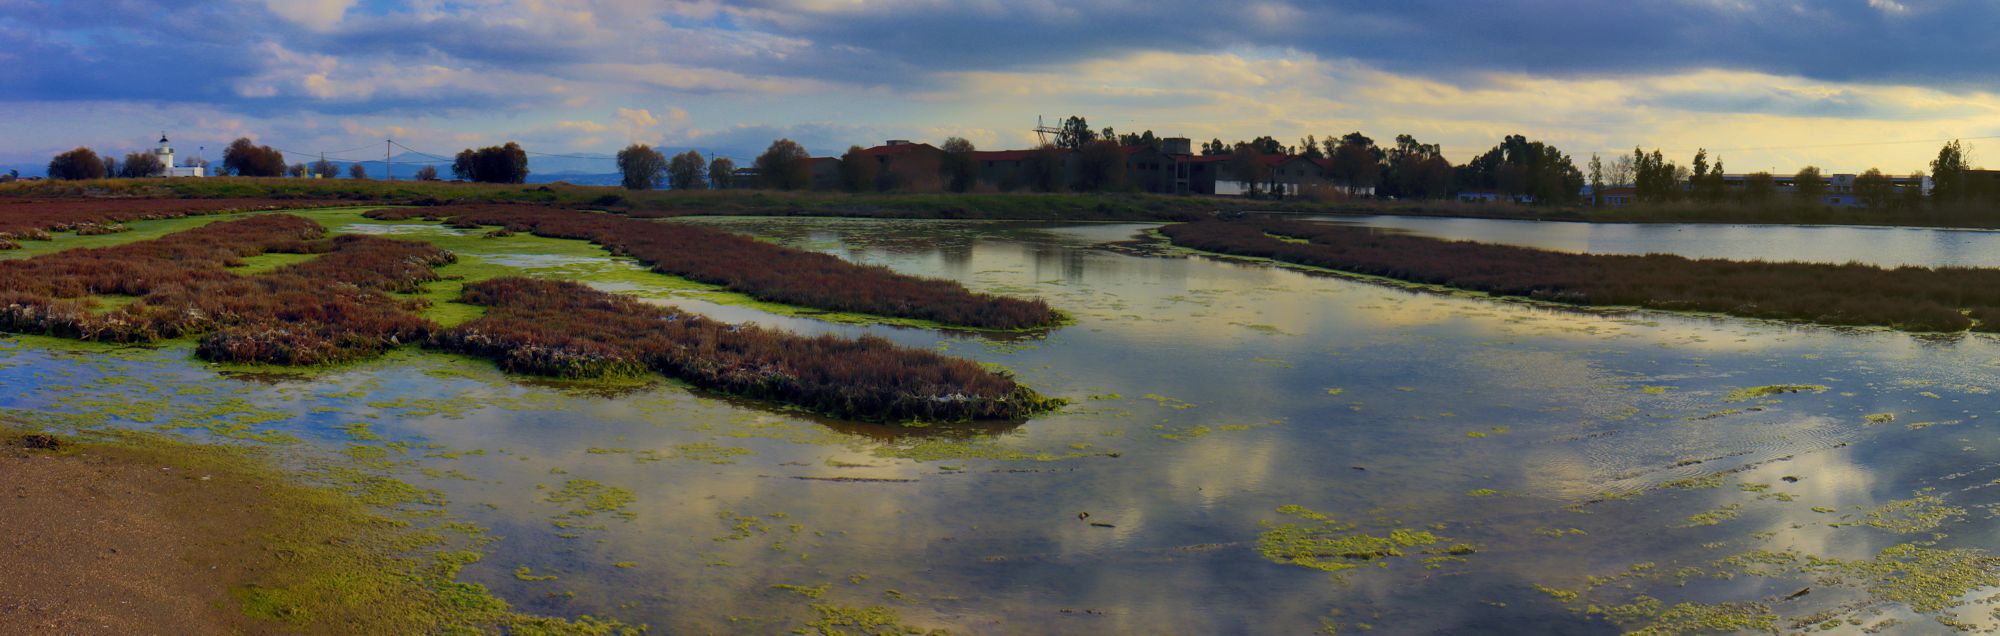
(355, 171)
(427, 173)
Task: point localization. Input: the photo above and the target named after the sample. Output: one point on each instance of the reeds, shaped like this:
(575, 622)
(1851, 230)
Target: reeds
(764, 271)
(1907, 298)
(568, 330)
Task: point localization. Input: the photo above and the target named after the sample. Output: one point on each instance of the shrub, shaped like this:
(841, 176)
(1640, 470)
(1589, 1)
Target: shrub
(767, 272)
(1908, 298)
(568, 330)
(332, 308)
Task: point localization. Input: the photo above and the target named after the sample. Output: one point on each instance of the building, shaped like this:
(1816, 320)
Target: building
(1839, 188)
(912, 167)
(166, 154)
(1618, 197)
(1168, 169)
(1007, 170)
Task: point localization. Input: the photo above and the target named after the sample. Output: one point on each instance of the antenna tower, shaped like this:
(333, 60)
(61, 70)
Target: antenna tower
(1042, 131)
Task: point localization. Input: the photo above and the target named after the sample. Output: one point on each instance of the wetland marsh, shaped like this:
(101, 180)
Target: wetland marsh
(1246, 448)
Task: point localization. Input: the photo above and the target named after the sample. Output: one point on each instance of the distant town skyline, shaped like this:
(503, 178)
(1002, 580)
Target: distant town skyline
(1844, 85)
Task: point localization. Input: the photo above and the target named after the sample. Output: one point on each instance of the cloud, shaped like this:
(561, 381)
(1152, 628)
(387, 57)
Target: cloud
(318, 15)
(641, 118)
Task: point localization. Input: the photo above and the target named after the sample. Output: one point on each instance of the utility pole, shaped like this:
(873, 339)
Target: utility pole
(322, 162)
(387, 166)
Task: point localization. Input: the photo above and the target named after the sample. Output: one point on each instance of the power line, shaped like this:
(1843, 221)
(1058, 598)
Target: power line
(1816, 146)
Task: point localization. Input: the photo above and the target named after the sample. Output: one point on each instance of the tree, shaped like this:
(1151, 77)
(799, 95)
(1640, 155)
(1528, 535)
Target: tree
(247, 159)
(1214, 147)
(1075, 133)
(1596, 179)
(1706, 182)
(139, 165)
(1759, 188)
(1621, 172)
(1528, 168)
(78, 163)
(1100, 167)
(1948, 182)
(355, 171)
(492, 164)
(110, 167)
(784, 166)
(426, 173)
(297, 170)
(1270, 145)
(1142, 139)
(1875, 189)
(1809, 186)
(1415, 170)
(1655, 178)
(1355, 166)
(641, 167)
(1247, 165)
(325, 169)
(1311, 146)
(684, 172)
(858, 170)
(961, 170)
(1043, 171)
(722, 173)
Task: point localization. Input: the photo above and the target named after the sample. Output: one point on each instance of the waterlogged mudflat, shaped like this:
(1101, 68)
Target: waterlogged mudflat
(1256, 449)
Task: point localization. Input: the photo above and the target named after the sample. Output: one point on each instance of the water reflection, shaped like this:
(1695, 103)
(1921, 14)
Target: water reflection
(1882, 246)
(1206, 396)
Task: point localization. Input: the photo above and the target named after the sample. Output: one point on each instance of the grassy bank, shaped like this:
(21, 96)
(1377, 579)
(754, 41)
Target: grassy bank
(206, 538)
(1010, 206)
(1908, 298)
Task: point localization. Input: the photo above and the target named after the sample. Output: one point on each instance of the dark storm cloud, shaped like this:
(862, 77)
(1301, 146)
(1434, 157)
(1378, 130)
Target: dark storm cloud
(209, 51)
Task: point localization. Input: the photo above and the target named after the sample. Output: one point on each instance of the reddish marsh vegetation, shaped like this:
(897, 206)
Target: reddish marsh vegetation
(761, 270)
(1909, 298)
(33, 220)
(568, 330)
(331, 308)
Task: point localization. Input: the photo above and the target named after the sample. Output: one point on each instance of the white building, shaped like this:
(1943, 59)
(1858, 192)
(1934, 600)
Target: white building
(166, 155)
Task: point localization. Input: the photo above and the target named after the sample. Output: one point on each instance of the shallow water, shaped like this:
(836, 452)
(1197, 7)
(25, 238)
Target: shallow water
(1207, 394)
(1883, 246)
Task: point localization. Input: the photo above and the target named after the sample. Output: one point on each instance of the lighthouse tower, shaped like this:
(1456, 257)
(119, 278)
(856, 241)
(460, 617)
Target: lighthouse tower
(166, 154)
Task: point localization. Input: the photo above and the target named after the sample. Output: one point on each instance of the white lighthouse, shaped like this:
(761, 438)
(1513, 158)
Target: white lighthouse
(166, 154)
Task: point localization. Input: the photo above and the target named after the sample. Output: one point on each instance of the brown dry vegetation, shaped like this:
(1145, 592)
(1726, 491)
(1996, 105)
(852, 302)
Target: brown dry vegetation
(332, 308)
(34, 220)
(1909, 298)
(761, 270)
(569, 330)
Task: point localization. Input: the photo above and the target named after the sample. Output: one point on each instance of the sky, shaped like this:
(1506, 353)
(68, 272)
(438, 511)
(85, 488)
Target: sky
(1765, 85)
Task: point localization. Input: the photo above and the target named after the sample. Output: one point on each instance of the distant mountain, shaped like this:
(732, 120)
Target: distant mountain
(578, 178)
